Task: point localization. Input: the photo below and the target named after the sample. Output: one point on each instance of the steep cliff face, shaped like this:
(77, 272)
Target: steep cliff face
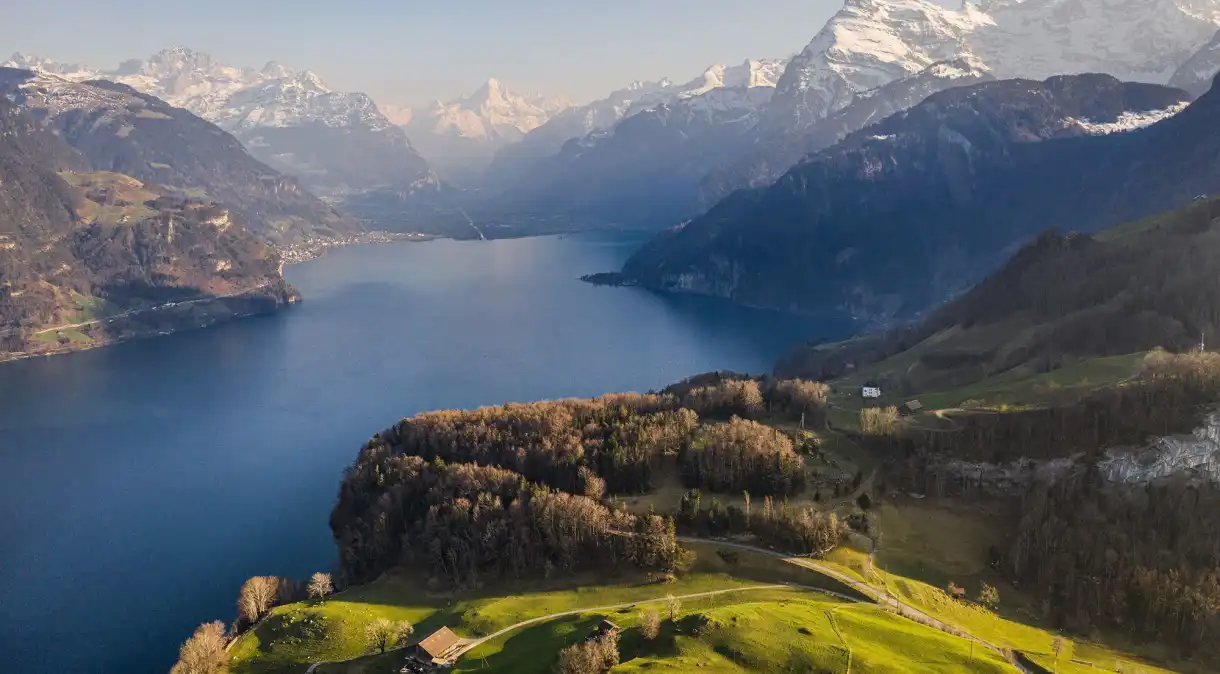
(115, 128)
(870, 43)
(919, 206)
(1196, 454)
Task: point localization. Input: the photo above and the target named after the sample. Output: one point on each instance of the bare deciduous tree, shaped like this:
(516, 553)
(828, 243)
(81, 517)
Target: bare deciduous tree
(1057, 648)
(989, 596)
(575, 659)
(320, 585)
(674, 606)
(257, 596)
(593, 486)
(384, 634)
(204, 652)
(650, 623)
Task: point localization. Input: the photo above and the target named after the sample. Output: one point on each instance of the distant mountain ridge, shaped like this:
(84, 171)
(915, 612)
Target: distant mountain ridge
(770, 155)
(870, 44)
(907, 212)
(577, 122)
(115, 128)
(459, 137)
(336, 143)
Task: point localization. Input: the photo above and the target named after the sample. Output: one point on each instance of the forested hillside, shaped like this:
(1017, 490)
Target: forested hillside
(1061, 299)
(76, 248)
(517, 489)
(915, 208)
(115, 128)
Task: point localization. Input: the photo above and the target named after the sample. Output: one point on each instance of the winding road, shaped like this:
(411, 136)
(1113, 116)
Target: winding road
(132, 312)
(875, 595)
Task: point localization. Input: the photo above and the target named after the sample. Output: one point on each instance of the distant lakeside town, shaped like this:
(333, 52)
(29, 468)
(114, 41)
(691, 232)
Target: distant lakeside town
(312, 248)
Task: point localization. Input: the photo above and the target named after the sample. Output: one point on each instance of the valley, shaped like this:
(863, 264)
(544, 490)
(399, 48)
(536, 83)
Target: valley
(885, 344)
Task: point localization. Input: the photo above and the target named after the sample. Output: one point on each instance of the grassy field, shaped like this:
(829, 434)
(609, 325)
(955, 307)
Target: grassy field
(127, 197)
(1016, 388)
(299, 634)
(762, 630)
(926, 544)
(783, 631)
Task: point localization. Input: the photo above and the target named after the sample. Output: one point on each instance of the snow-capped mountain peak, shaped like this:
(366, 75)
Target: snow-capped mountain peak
(274, 71)
(233, 97)
(869, 43)
(72, 71)
(492, 112)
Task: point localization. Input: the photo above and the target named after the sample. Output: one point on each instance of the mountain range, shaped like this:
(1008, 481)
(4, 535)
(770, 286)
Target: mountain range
(918, 207)
(335, 143)
(117, 128)
(512, 162)
(871, 59)
(89, 256)
(460, 137)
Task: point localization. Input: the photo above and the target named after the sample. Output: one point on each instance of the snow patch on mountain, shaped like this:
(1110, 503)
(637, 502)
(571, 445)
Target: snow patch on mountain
(234, 98)
(490, 113)
(1128, 121)
(299, 100)
(872, 42)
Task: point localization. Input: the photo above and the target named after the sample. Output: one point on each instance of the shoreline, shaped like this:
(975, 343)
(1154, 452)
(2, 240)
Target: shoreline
(312, 249)
(250, 306)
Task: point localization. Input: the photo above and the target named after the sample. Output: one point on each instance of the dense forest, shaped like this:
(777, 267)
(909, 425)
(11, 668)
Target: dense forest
(1141, 558)
(520, 489)
(1144, 560)
(1062, 298)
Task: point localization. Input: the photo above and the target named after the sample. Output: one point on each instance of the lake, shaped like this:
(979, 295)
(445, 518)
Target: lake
(141, 484)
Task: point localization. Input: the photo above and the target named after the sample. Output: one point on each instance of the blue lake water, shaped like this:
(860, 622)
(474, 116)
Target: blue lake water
(141, 484)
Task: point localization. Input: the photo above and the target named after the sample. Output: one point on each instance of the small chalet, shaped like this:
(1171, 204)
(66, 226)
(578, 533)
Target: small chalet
(911, 407)
(605, 627)
(435, 648)
(870, 391)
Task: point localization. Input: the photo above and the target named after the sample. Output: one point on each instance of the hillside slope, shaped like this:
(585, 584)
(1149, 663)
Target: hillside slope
(97, 253)
(116, 128)
(333, 142)
(888, 221)
(1061, 299)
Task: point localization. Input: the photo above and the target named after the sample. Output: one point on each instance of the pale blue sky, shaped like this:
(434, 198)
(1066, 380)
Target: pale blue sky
(409, 52)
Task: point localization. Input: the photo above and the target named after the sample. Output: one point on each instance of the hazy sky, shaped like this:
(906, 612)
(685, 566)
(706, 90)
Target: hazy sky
(410, 52)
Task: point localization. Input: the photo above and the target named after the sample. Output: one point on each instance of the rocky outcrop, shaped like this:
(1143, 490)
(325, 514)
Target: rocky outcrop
(1196, 454)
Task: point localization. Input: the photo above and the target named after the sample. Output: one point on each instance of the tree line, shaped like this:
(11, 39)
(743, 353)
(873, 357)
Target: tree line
(1141, 560)
(205, 652)
(622, 439)
(799, 531)
(461, 523)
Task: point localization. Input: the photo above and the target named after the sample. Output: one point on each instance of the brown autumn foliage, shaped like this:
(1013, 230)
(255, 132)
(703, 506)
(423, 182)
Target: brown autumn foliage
(743, 455)
(204, 652)
(416, 496)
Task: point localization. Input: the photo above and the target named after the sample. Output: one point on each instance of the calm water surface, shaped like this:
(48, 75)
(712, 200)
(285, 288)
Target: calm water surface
(142, 483)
